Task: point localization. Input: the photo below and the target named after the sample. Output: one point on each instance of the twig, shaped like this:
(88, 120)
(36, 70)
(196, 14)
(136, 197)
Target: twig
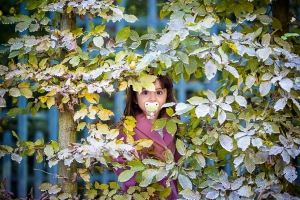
(55, 175)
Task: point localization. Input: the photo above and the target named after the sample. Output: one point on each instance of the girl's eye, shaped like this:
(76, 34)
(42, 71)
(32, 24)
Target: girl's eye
(144, 92)
(159, 92)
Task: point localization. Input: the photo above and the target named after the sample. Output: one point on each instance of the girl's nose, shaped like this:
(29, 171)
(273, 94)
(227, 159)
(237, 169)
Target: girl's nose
(152, 96)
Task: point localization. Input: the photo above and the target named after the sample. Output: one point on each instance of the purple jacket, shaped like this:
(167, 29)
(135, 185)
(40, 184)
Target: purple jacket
(143, 131)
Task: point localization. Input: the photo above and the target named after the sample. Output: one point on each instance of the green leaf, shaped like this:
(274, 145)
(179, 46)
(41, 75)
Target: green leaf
(170, 111)
(91, 194)
(130, 18)
(192, 66)
(64, 196)
(16, 157)
(14, 112)
(159, 124)
(180, 146)
(16, 46)
(154, 162)
(74, 61)
(190, 194)
(125, 175)
(22, 26)
(136, 165)
(276, 23)
(39, 158)
(134, 36)
(163, 13)
(114, 185)
(185, 182)
(171, 127)
(98, 41)
(49, 152)
(183, 57)
(26, 92)
(210, 69)
(34, 27)
(54, 189)
(183, 108)
(14, 92)
(245, 191)
(169, 157)
(200, 159)
(123, 35)
(290, 173)
(165, 193)
(45, 186)
(148, 175)
(226, 142)
(31, 5)
(249, 162)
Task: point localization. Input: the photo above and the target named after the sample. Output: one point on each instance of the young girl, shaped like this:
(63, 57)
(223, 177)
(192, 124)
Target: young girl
(146, 107)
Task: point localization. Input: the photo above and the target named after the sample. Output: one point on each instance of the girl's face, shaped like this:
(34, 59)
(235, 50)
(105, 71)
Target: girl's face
(159, 95)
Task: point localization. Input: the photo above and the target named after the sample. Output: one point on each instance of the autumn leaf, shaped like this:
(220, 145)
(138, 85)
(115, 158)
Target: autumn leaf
(92, 98)
(105, 114)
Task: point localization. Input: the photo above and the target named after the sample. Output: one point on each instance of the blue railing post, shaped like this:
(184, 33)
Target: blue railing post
(53, 135)
(152, 14)
(37, 175)
(6, 161)
(23, 135)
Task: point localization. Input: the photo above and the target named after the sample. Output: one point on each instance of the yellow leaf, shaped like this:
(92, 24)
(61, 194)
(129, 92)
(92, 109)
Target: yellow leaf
(65, 99)
(145, 143)
(233, 47)
(72, 53)
(51, 93)
(26, 92)
(114, 185)
(137, 86)
(129, 123)
(113, 133)
(24, 85)
(92, 98)
(148, 85)
(82, 170)
(88, 186)
(50, 102)
(123, 85)
(97, 185)
(92, 111)
(150, 191)
(81, 126)
(42, 63)
(81, 113)
(103, 186)
(85, 177)
(103, 128)
(43, 99)
(129, 139)
(105, 114)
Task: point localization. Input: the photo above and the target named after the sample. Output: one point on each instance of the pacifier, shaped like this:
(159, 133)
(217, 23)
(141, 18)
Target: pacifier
(151, 109)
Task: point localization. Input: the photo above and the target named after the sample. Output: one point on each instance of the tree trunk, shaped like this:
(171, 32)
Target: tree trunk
(280, 10)
(67, 126)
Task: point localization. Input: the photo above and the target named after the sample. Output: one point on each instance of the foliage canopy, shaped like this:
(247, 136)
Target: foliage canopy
(250, 122)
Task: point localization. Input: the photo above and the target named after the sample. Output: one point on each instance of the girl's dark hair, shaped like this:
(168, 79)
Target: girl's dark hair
(132, 107)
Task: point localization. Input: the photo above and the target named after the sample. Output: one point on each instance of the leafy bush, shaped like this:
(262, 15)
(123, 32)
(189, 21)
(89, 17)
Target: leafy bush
(250, 123)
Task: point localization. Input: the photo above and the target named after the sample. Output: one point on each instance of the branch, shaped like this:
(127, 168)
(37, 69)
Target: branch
(54, 175)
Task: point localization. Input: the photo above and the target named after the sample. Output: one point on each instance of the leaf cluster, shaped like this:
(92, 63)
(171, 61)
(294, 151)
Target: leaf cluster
(250, 123)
